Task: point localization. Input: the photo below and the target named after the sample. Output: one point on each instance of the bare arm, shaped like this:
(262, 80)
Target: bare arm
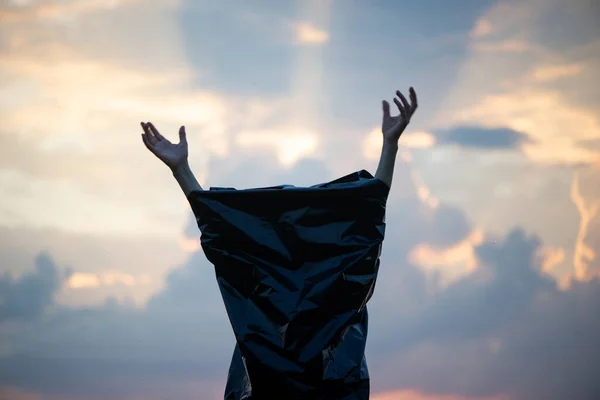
(385, 169)
(186, 179)
(175, 156)
(392, 128)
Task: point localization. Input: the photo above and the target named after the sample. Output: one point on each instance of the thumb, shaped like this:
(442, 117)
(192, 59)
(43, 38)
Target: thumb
(182, 137)
(386, 109)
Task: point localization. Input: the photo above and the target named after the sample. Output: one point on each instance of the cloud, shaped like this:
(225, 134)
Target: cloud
(554, 139)
(515, 78)
(307, 27)
(116, 344)
(28, 297)
(371, 144)
(146, 259)
(462, 339)
(505, 330)
(588, 212)
(54, 10)
(459, 311)
(546, 94)
(449, 263)
(494, 294)
(289, 143)
(71, 123)
(105, 349)
(115, 349)
(80, 280)
(482, 28)
(591, 143)
(71, 127)
(309, 34)
(481, 138)
(416, 395)
(554, 72)
(504, 46)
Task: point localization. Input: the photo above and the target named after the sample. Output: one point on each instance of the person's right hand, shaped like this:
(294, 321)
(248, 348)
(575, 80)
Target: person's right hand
(171, 154)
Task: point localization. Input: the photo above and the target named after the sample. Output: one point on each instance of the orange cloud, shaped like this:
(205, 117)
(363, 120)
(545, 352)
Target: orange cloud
(188, 244)
(423, 192)
(59, 10)
(503, 46)
(551, 73)
(584, 254)
(71, 131)
(482, 27)
(551, 258)
(371, 145)
(451, 263)
(556, 127)
(309, 34)
(82, 280)
(417, 140)
(517, 90)
(289, 143)
(178, 389)
(7, 393)
(409, 394)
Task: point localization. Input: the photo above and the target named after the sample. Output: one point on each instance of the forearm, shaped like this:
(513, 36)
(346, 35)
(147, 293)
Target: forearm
(385, 169)
(186, 179)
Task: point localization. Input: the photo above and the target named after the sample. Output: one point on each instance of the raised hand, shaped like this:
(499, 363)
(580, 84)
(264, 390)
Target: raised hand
(174, 155)
(392, 127)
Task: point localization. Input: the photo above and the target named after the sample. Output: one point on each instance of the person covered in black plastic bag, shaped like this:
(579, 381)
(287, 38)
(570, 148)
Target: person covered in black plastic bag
(295, 267)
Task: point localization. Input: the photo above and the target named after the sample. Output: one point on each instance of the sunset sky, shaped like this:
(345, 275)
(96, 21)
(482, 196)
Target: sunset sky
(489, 287)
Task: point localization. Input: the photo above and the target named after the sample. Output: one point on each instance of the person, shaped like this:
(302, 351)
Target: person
(295, 267)
(175, 155)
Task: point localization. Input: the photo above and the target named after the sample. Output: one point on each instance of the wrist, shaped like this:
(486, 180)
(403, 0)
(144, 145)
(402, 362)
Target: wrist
(390, 144)
(181, 169)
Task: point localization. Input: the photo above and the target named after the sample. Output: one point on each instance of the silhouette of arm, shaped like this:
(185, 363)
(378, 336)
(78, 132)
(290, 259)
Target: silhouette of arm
(387, 160)
(392, 128)
(174, 155)
(186, 179)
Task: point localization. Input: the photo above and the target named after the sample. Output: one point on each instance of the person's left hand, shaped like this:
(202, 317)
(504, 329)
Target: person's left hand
(392, 127)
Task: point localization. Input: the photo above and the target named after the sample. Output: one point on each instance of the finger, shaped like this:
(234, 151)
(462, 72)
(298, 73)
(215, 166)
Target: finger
(147, 142)
(182, 136)
(404, 102)
(386, 109)
(401, 108)
(149, 136)
(413, 99)
(156, 133)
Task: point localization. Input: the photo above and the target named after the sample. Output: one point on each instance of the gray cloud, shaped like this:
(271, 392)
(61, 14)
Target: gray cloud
(506, 329)
(591, 143)
(115, 349)
(493, 296)
(182, 327)
(88, 252)
(30, 295)
(546, 339)
(481, 138)
(580, 22)
(442, 345)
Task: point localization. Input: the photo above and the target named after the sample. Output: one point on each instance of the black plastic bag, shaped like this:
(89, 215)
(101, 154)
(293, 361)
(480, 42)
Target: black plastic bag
(296, 267)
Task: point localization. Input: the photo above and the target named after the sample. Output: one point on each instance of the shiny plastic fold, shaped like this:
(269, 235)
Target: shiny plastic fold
(296, 267)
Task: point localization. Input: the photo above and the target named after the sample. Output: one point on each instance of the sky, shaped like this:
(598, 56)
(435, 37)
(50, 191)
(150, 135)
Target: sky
(489, 287)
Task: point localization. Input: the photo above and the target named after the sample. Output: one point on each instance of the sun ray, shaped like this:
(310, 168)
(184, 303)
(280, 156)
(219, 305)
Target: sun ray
(312, 35)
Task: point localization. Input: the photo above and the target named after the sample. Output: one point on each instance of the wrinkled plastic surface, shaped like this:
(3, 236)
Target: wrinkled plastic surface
(296, 267)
